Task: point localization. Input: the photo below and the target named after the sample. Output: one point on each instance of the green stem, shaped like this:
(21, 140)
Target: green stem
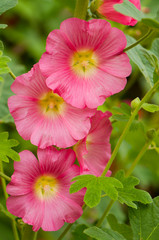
(5, 176)
(15, 232)
(3, 181)
(105, 213)
(28, 233)
(65, 231)
(126, 129)
(12, 74)
(139, 156)
(140, 40)
(69, 225)
(81, 9)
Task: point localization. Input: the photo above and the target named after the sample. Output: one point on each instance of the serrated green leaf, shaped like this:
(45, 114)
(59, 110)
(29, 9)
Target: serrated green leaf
(93, 193)
(103, 234)
(6, 148)
(95, 186)
(81, 182)
(145, 220)
(124, 229)
(3, 26)
(150, 107)
(129, 194)
(141, 57)
(6, 5)
(128, 9)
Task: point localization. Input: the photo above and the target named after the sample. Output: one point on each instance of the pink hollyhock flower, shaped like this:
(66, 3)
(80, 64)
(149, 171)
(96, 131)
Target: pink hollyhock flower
(42, 116)
(40, 189)
(106, 8)
(84, 61)
(94, 151)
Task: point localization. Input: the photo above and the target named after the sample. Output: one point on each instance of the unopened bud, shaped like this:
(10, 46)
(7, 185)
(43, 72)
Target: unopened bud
(151, 134)
(135, 103)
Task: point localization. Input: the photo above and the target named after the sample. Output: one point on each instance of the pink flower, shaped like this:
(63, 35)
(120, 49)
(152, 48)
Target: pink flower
(84, 61)
(106, 8)
(94, 151)
(40, 189)
(42, 116)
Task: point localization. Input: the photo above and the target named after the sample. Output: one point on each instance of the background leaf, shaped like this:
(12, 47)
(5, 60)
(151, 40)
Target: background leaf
(128, 9)
(6, 148)
(124, 229)
(6, 5)
(103, 234)
(145, 220)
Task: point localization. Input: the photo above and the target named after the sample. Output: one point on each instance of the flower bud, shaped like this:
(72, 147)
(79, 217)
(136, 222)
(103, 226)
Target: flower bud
(151, 134)
(135, 103)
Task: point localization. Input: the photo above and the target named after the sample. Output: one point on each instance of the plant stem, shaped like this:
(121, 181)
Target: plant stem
(5, 176)
(126, 129)
(65, 231)
(105, 213)
(3, 181)
(139, 156)
(15, 232)
(81, 9)
(139, 41)
(28, 233)
(12, 74)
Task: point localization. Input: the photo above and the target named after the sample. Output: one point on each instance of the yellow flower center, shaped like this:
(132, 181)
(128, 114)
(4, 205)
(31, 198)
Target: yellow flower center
(45, 187)
(51, 104)
(84, 63)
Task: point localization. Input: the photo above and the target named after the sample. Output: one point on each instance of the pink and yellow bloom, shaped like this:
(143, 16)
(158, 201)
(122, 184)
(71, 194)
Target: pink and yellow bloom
(94, 151)
(84, 61)
(106, 8)
(40, 189)
(43, 116)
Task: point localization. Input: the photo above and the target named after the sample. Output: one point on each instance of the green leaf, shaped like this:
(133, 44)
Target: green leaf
(129, 194)
(6, 148)
(95, 186)
(3, 26)
(5, 93)
(145, 220)
(150, 107)
(152, 23)
(6, 5)
(129, 9)
(119, 117)
(3, 64)
(155, 47)
(143, 59)
(103, 234)
(124, 229)
(124, 109)
(78, 232)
